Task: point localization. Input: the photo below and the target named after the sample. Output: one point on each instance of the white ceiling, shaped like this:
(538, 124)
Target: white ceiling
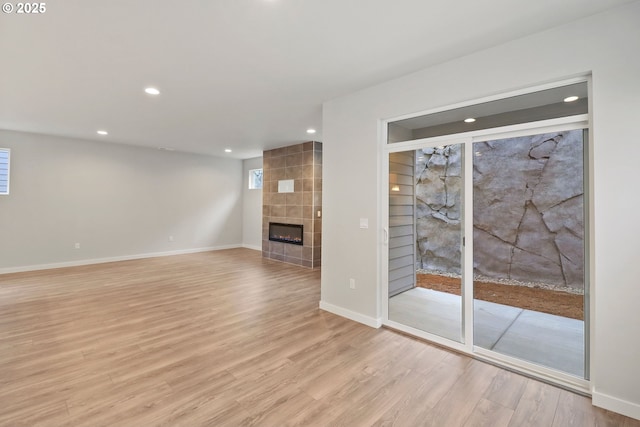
(242, 74)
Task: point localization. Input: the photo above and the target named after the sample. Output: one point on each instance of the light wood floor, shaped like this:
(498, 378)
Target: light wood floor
(228, 339)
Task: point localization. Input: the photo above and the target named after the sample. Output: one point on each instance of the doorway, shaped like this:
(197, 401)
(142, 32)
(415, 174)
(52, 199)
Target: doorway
(485, 248)
(425, 229)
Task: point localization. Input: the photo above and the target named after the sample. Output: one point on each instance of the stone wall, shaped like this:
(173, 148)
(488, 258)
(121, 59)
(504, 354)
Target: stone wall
(528, 209)
(438, 216)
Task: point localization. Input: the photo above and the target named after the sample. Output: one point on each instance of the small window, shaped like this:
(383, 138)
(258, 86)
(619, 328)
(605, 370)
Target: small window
(4, 171)
(255, 179)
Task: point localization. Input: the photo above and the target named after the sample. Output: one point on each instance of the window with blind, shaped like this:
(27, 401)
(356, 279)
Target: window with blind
(4, 171)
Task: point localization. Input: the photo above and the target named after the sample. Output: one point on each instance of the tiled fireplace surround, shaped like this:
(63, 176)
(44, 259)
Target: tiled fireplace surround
(301, 163)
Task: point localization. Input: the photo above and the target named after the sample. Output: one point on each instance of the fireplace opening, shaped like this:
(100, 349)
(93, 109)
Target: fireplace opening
(287, 233)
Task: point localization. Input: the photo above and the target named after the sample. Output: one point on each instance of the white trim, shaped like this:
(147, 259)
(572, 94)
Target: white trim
(615, 404)
(253, 247)
(467, 238)
(590, 246)
(112, 259)
(351, 315)
(383, 236)
(382, 229)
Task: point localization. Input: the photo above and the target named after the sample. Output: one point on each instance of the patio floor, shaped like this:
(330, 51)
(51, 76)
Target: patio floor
(552, 341)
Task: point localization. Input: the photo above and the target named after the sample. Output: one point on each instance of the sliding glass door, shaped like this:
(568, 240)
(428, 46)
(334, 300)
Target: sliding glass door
(528, 251)
(485, 231)
(425, 239)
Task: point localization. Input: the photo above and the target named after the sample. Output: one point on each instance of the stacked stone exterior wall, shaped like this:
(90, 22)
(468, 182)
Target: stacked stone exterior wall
(528, 209)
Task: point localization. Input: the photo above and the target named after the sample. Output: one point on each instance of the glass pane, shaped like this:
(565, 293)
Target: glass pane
(528, 230)
(530, 107)
(4, 171)
(425, 234)
(255, 179)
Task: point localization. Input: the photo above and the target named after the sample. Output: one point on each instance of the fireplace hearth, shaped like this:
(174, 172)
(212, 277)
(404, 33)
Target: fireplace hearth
(286, 233)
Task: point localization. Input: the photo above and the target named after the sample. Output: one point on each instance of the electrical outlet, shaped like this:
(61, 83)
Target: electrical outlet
(352, 283)
(77, 246)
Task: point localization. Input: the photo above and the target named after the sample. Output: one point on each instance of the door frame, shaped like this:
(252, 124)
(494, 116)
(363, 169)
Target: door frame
(581, 121)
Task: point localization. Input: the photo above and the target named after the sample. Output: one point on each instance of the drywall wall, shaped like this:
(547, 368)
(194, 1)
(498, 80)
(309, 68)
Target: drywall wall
(251, 208)
(605, 45)
(114, 200)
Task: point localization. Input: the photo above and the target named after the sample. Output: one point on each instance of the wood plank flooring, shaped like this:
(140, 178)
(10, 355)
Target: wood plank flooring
(227, 338)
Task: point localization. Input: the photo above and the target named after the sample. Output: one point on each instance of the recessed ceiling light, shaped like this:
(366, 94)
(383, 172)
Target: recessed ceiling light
(311, 131)
(152, 91)
(102, 132)
(469, 120)
(571, 98)
(227, 150)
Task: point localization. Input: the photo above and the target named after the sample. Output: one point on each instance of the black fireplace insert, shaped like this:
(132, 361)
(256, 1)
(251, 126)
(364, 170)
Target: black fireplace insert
(287, 233)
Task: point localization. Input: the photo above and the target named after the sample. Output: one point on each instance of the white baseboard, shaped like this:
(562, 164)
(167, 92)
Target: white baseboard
(255, 248)
(629, 409)
(352, 315)
(112, 259)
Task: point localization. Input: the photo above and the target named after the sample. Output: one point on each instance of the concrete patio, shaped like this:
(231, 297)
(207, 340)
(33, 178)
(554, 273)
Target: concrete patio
(551, 341)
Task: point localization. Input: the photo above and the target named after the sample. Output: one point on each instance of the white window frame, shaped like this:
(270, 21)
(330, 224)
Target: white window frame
(8, 151)
(252, 184)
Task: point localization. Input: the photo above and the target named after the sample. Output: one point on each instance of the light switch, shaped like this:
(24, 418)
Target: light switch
(364, 222)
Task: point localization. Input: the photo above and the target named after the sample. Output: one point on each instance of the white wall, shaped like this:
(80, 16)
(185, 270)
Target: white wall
(606, 45)
(251, 208)
(115, 200)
